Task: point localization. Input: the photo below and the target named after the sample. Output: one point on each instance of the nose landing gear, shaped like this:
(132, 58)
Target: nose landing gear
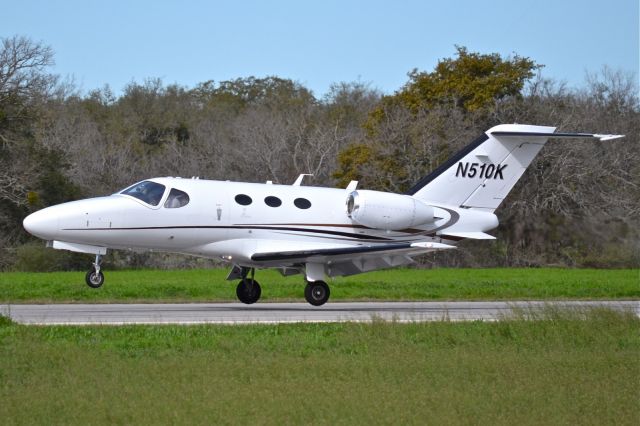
(95, 277)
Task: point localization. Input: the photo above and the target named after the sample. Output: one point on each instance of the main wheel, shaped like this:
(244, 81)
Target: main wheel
(94, 280)
(317, 293)
(248, 291)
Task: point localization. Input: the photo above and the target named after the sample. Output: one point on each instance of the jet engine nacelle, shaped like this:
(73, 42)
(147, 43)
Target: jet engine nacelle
(383, 210)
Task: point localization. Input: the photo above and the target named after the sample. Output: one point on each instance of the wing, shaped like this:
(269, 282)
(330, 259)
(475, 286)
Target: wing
(322, 254)
(348, 260)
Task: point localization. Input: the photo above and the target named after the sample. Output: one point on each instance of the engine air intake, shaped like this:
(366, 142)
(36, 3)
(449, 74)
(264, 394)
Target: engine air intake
(383, 210)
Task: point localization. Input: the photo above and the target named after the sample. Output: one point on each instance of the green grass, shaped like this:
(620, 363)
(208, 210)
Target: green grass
(395, 284)
(558, 370)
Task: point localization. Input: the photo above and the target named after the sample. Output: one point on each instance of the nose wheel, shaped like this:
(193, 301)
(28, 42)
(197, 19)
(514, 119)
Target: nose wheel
(95, 277)
(317, 293)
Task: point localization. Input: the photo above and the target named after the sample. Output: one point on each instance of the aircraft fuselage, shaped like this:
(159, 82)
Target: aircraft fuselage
(215, 224)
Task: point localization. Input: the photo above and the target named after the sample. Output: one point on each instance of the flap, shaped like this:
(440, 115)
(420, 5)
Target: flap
(471, 235)
(350, 252)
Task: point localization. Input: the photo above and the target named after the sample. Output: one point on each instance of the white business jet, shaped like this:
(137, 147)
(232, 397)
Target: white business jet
(301, 229)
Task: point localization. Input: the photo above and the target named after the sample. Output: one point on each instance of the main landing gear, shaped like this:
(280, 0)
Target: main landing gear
(95, 277)
(248, 290)
(317, 293)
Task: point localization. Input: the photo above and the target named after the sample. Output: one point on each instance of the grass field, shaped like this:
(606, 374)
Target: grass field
(560, 370)
(394, 284)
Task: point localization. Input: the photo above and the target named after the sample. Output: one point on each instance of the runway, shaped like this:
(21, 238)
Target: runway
(272, 313)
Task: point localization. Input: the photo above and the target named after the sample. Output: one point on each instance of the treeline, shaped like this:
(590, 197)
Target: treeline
(578, 205)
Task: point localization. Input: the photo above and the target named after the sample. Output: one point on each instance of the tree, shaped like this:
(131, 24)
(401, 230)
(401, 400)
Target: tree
(23, 85)
(233, 96)
(409, 133)
(471, 81)
(23, 76)
(31, 175)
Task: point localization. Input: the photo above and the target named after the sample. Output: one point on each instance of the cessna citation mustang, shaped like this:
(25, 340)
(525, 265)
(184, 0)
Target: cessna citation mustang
(299, 229)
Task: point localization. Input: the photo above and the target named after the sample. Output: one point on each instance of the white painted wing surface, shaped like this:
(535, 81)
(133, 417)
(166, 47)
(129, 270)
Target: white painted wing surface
(344, 253)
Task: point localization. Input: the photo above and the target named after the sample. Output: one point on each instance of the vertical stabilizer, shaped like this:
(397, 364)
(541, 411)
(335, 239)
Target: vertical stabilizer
(481, 175)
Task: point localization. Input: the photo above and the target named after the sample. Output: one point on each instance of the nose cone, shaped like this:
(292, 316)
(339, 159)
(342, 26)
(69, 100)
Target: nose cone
(43, 224)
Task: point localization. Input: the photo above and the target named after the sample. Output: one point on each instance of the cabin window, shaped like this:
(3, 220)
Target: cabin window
(147, 191)
(176, 199)
(243, 200)
(272, 201)
(302, 203)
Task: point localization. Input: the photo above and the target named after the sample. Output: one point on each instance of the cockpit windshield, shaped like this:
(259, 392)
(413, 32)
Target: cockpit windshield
(147, 191)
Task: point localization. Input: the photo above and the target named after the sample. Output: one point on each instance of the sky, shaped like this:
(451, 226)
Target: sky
(318, 43)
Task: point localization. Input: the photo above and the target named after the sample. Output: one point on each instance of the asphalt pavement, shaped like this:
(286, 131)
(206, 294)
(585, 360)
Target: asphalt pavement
(272, 313)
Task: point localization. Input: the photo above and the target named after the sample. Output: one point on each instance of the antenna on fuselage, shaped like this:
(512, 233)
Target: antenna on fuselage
(298, 181)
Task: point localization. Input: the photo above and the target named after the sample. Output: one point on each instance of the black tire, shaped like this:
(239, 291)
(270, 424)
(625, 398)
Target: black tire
(94, 280)
(317, 293)
(248, 292)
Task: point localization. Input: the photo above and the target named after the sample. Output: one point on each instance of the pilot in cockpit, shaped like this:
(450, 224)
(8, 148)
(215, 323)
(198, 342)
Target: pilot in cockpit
(155, 194)
(176, 199)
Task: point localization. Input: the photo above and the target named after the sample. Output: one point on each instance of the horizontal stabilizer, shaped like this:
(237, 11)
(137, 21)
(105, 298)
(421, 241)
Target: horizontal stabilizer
(499, 134)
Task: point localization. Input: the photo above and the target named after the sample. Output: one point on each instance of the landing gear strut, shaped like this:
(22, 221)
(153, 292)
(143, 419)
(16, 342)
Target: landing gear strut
(95, 277)
(317, 293)
(248, 290)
